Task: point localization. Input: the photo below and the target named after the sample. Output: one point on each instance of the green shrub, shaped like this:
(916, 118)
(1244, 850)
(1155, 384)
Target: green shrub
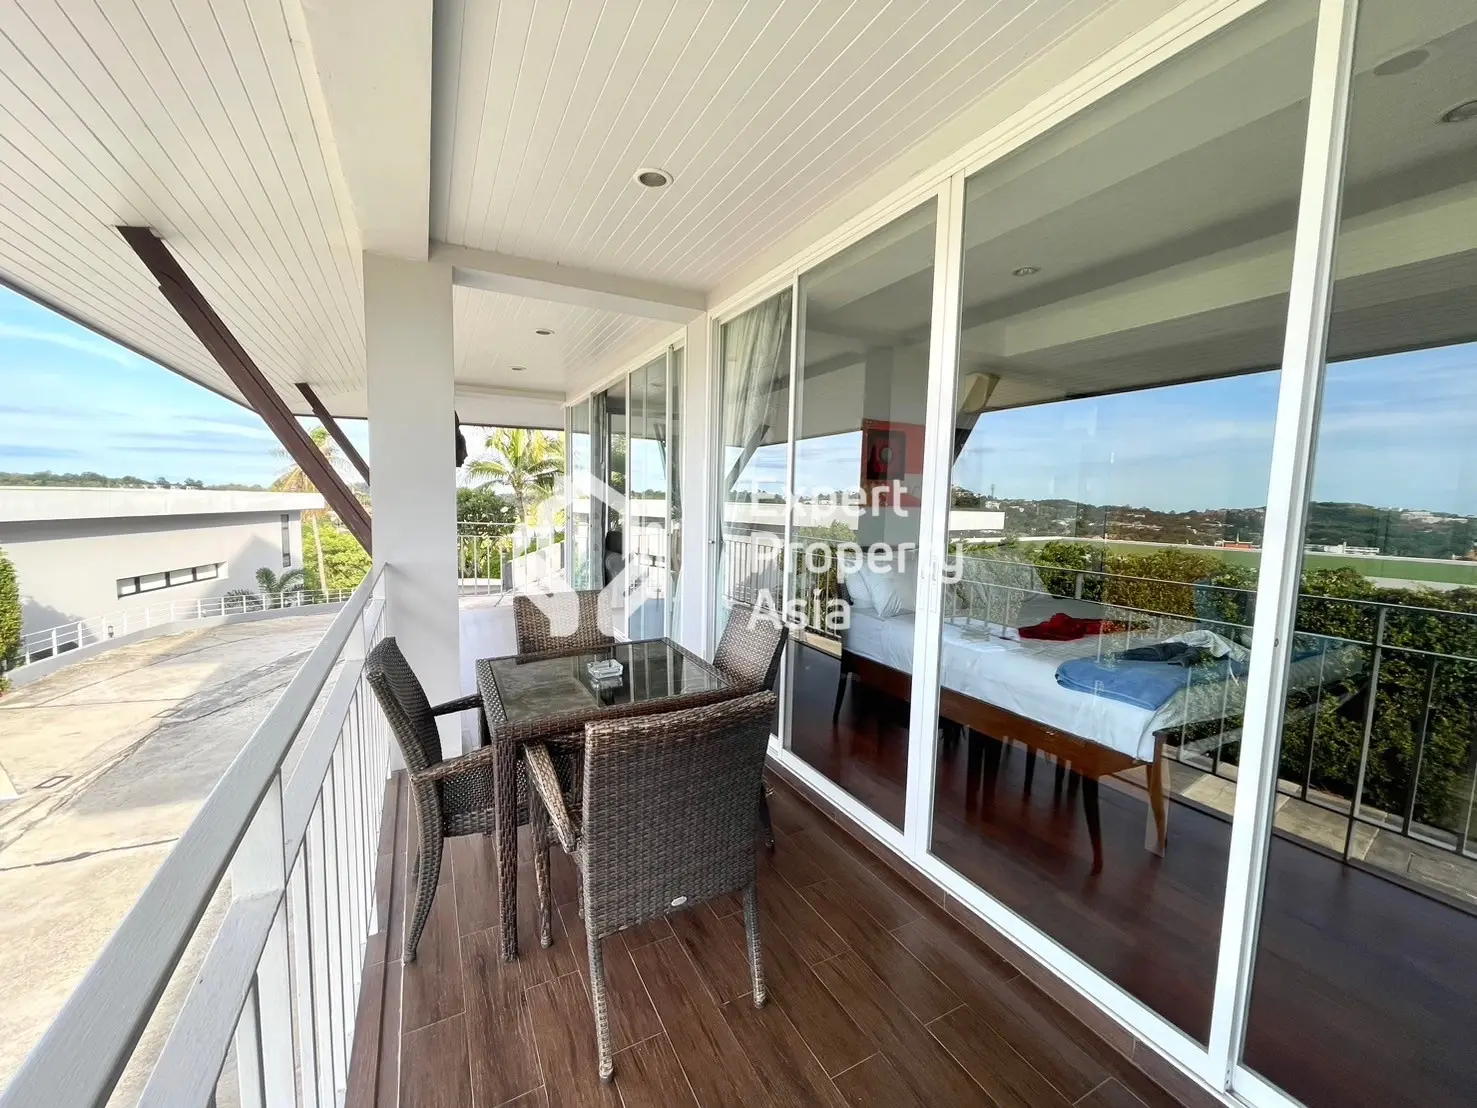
(10, 620)
(345, 562)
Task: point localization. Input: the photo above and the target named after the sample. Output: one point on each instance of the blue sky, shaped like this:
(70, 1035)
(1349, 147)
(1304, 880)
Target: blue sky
(71, 400)
(1398, 431)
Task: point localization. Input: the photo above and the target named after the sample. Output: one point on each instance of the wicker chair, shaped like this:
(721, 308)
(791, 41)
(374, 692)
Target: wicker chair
(664, 825)
(749, 655)
(453, 796)
(578, 620)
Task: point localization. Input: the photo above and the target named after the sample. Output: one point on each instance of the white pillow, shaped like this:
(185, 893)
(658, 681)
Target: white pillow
(893, 593)
(856, 588)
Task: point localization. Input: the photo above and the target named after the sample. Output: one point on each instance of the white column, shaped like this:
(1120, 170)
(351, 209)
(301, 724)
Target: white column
(699, 548)
(408, 347)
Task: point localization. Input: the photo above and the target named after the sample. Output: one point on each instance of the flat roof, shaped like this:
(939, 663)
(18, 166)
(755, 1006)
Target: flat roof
(23, 504)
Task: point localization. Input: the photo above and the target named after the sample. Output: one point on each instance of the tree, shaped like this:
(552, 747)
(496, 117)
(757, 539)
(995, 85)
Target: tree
(527, 462)
(270, 587)
(483, 504)
(293, 479)
(10, 619)
(334, 558)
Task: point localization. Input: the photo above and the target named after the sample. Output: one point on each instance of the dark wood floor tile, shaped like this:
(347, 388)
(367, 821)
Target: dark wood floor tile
(364, 1057)
(565, 1028)
(920, 1060)
(649, 932)
(993, 1063)
(925, 994)
(474, 865)
(535, 962)
(871, 890)
(716, 1066)
(500, 1033)
(538, 1098)
(632, 1018)
(786, 911)
(395, 916)
(648, 1075)
(387, 1086)
(726, 905)
(1110, 1094)
(564, 877)
(788, 1072)
(792, 861)
(789, 813)
(433, 1066)
(718, 948)
(433, 982)
(873, 1083)
(1158, 1082)
(832, 1035)
(389, 813)
(1048, 1046)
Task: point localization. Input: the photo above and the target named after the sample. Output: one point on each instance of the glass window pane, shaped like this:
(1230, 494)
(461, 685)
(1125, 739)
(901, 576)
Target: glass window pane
(858, 473)
(674, 490)
(1365, 988)
(151, 581)
(646, 585)
(205, 573)
(1124, 296)
(579, 475)
(754, 419)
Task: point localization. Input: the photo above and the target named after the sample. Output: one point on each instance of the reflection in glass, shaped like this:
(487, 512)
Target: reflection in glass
(579, 495)
(1365, 989)
(858, 473)
(1124, 292)
(646, 537)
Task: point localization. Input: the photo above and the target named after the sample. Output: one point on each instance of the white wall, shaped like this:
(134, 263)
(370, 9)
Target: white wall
(69, 569)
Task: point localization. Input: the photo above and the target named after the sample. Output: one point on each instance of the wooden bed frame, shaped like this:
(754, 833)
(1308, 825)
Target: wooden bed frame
(1088, 759)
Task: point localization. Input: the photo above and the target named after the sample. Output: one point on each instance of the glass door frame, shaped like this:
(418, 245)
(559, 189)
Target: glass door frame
(1216, 1065)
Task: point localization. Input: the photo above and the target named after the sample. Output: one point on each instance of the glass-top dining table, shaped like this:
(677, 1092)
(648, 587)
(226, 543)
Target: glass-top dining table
(549, 698)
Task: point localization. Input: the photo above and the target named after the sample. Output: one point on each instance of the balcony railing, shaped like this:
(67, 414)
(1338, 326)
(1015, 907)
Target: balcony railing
(48, 642)
(296, 856)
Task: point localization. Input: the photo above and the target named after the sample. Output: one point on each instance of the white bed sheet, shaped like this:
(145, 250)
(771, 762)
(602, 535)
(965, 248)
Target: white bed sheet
(1020, 676)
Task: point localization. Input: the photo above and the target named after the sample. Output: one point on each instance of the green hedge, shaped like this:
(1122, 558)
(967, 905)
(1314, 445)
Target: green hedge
(10, 619)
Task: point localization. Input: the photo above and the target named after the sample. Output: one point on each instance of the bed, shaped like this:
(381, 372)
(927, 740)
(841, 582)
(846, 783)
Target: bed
(1002, 687)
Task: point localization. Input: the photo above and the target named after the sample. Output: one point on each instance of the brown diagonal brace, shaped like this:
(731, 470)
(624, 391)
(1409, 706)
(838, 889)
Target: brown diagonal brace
(331, 425)
(216, 337)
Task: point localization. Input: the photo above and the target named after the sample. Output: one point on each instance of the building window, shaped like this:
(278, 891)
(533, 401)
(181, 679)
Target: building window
(286, 542)
(153, 582)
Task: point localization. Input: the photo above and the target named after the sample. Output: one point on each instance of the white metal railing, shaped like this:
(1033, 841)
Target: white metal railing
(281, 977)
(51, 641)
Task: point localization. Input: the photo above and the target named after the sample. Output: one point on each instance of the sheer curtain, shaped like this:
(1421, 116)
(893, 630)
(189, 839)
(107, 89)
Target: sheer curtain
(756, 373)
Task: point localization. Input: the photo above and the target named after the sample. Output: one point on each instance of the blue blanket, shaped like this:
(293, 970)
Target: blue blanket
(1142, 684)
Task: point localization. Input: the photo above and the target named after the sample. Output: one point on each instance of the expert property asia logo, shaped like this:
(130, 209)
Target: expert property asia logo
(816, 565)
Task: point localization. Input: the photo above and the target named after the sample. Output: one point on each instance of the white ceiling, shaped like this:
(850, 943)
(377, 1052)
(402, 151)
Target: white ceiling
(222, 124)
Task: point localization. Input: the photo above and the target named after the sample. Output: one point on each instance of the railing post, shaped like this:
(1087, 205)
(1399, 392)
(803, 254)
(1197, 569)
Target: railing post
(264, 1060)
(53, 642)
(1376, 657)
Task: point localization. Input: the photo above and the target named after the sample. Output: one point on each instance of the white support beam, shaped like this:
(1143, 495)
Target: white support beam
(408, 348)
(492, 406)
(372, 61)
(562, 284)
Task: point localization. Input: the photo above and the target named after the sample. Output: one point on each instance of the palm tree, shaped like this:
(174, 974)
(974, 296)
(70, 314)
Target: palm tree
(270, 587)
(293, 479)
(526, 461)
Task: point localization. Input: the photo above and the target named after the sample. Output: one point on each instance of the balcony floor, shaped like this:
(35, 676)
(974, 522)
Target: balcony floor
(876, 997)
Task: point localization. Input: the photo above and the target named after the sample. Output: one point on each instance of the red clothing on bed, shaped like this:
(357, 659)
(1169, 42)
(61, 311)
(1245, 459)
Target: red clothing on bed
(1064, 628)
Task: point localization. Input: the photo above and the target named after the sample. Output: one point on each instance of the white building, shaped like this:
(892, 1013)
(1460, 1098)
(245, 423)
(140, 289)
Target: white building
(86, 552)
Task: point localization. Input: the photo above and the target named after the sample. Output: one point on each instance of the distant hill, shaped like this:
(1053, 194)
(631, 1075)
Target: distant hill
(90, 480)
(1397, 532)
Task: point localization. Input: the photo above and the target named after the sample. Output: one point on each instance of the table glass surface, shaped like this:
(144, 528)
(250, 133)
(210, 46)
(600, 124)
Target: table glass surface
(653, 669)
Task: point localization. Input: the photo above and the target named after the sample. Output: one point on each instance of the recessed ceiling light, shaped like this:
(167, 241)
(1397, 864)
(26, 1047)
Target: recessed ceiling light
(653, 178)
(518, 368)
(1461, 113)
(1026, 271)
(1401, 63)
(542, 331)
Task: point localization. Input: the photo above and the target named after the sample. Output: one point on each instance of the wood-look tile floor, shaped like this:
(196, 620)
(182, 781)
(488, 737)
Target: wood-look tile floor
(876, 997)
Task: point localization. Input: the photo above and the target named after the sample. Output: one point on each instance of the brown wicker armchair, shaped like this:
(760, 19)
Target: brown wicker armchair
(749, 655)
(578, 620)
(452, 796)
(665, 825)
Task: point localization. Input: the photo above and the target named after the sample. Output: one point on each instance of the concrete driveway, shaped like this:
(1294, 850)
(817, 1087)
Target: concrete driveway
(110, 759)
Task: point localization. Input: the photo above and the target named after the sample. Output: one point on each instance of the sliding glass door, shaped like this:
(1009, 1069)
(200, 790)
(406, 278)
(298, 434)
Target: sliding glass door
(1365, 988)
(1124, 289)
(861, 387)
